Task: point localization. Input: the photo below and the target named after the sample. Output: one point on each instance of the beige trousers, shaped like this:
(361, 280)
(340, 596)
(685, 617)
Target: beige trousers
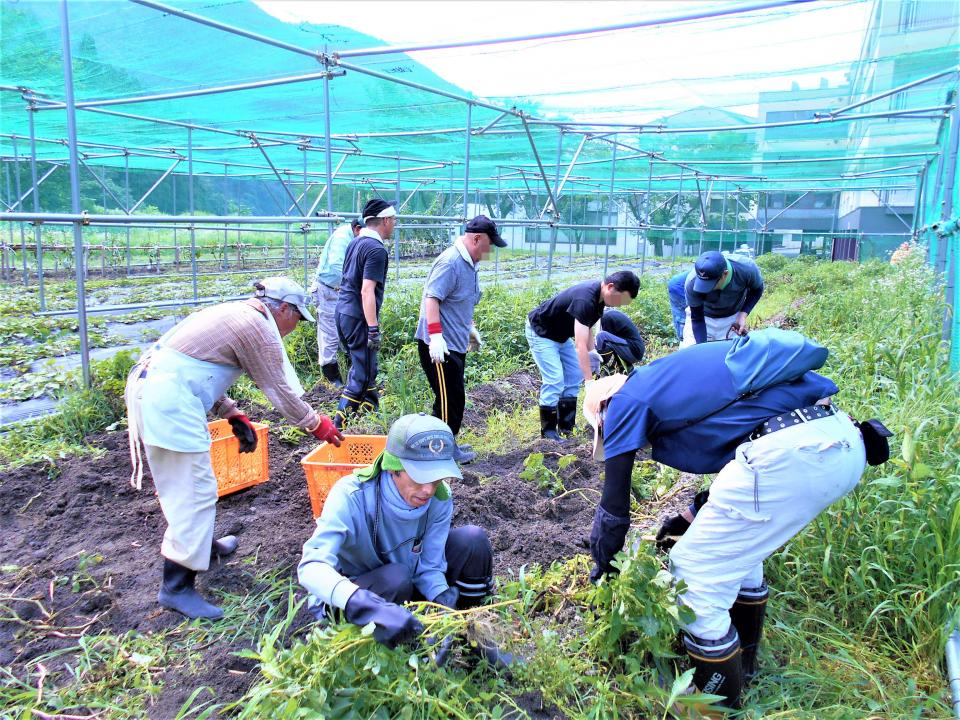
(187, 490)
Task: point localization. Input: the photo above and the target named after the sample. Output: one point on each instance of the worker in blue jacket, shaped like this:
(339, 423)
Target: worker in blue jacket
(752, 410)
(384, 537)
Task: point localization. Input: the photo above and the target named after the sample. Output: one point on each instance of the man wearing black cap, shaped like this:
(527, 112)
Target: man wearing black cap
(358, 309)
(326, 292)
(445, 331)
(720, 292)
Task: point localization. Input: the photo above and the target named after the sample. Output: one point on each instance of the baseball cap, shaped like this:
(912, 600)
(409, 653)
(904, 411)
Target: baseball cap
(424, 445)
(356, 222)
(594, 407)
(709, 267)
(378, 208)
(284, 290)
(483, 224)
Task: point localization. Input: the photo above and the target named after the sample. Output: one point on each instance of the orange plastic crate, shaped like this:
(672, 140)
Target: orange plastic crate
(235, 470)
(328, 463)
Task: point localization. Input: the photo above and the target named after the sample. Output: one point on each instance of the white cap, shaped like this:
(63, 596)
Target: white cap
(284, 290)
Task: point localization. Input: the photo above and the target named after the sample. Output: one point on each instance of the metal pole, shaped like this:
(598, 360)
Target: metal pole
(23, 239)
(326, 144)
(648, 198)
(496, 252)
(226, 209)
(75, 193)
(126, 201)
(952, 296)
(193, 232)
(723, 216)
(36, 207)
(396, 239)
(676, 221)
(606, 241)
(556, 208)
(466, 165)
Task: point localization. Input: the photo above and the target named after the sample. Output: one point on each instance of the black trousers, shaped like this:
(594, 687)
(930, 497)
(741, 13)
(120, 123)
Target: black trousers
(469, 569)
(362, 376)
(446, 381)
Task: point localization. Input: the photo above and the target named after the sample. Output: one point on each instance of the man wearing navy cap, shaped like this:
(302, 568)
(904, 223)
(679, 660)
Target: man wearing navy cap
(752, 410)
(326, 293)
(384, 537)
(618, 344)
(445, 330)
(358, 308)
(720, 292)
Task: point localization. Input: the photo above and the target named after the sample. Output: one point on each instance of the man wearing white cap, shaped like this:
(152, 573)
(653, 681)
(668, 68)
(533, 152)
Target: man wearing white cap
(358, 308)
(169, 392)
(384, 537)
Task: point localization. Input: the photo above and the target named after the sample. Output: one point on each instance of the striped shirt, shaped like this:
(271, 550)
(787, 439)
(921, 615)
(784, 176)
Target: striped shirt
(239, 334)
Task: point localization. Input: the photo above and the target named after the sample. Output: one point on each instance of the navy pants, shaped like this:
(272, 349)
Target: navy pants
(628, 352)
(362, 376)
(446, 381)
(469, 569)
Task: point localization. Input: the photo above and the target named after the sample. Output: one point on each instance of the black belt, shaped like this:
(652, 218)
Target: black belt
(792, 418)
(335, 289)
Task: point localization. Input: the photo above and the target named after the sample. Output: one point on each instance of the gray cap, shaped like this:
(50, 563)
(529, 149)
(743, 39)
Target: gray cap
(284, 290)
(424, 445)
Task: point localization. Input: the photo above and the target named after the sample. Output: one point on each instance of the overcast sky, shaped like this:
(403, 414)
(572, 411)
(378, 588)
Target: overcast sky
(644, 72)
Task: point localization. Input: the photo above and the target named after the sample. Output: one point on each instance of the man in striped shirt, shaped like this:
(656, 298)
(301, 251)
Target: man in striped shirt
(169, 392)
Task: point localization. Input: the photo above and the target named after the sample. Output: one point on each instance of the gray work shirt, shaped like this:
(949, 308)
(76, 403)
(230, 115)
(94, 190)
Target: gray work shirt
(453, 280)
(741, 292)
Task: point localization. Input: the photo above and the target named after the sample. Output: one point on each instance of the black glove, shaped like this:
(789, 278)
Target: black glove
(394, 624)
(448, 598)
(245, 432)
(373, 337)
(677, 525)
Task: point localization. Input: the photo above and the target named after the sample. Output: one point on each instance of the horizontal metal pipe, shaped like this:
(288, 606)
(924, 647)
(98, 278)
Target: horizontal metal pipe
(663, 129)
(684, 17)
(888, 93)
(194, 93)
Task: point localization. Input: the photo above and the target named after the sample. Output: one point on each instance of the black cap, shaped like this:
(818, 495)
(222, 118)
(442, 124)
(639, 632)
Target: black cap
(378, 208)
(709, 267)
(483, 224)
(355, 223)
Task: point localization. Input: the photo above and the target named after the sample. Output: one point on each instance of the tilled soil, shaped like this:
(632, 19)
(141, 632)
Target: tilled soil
(51, 527)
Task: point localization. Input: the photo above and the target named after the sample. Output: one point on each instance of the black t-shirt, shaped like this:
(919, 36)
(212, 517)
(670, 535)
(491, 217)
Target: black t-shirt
(617, 323)
(553, 319)
(366, 259)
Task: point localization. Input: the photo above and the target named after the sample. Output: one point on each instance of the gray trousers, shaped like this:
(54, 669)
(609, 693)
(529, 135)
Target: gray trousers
(327, 338)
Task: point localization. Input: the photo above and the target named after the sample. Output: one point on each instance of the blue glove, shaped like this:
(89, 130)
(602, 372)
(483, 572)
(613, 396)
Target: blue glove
(448, 598)
(394, 625)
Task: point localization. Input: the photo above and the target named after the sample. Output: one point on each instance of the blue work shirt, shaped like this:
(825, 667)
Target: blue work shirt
(668, 404)
(330, 266)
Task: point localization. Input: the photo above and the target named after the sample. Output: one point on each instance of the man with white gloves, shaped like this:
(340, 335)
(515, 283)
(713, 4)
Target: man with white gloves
(445, 330)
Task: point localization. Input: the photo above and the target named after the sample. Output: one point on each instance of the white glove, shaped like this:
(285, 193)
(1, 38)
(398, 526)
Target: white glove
(596, 360)
(438, 348)
(475, 342)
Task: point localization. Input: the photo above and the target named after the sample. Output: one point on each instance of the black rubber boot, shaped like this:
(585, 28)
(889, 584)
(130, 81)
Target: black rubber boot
(178, 593)
(548, 422)
(344, 408)
(717, 666)
(606, 539)
(747, 615)
(331, 373)
(227, 545)
(566, 416)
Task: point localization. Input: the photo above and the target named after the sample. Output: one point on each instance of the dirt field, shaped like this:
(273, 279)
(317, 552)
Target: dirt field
(49, 526)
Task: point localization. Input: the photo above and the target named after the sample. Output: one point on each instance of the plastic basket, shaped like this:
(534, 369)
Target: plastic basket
(328, 463)
(235, 470)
